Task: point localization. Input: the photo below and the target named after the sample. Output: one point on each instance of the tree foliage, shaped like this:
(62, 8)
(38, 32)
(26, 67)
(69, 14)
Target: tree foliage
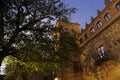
(67, 44)
(16, 70)
(26, 28)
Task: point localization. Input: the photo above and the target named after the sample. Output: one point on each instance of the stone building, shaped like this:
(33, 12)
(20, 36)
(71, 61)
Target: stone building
(100, 42)
(72, 68)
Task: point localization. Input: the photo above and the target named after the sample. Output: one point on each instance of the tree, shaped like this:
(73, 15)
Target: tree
(26, 27)
(50, 63)
(67, 43)
(15, 70)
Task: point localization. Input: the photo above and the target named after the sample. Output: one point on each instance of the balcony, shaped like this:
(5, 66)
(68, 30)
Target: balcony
(100, 58)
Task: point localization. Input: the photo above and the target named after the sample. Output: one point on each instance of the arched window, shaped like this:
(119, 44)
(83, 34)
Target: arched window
(65, 30)
(107, 17)
(81, 40)
(118, 5)
(99, 24)
(101, 51)
(72, 30)
(92, 30)
(86, 36)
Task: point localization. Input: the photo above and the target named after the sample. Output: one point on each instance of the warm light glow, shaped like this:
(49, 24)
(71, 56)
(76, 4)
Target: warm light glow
(56, 78)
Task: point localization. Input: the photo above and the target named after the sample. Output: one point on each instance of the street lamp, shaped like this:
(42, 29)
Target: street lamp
(56, 78)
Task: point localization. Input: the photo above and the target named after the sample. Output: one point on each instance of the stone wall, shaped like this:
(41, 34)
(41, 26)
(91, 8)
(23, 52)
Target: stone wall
(108, 69)
(94, 64)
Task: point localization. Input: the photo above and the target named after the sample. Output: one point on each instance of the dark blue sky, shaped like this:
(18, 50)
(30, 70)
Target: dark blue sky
(86, 9)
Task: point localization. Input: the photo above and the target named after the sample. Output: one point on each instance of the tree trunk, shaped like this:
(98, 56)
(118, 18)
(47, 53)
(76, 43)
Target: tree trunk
(1, 30)
(1, 23)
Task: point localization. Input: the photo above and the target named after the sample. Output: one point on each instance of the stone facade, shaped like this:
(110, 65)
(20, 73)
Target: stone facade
(100, 42)
(100, 57)
(101, 69)
(72, 69)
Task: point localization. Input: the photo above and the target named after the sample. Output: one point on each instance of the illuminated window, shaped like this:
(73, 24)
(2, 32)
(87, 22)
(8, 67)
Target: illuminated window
(101, 51)
(92, 30)
(99, 24)
(56, 78)
(107, 17)
(2, 69)
(118, 6)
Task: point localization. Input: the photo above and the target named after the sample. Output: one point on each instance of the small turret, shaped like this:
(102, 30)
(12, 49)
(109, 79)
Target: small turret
(107, 2)
(98, 11)
(92, 18)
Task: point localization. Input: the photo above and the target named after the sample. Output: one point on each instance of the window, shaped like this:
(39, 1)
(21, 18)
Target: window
(75, 66)
(65, 30)
(110, 0)
(92, 30)
(101, 51)
(72, 30)
(107, 17)
(60, 26)
(99, 24)
(2, 69)
(86, 36)
(118, 6)
(45, 78)
(81, 40)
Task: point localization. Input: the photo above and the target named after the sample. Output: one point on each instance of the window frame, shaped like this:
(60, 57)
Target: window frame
(2, 69)
(99, 24)
(72, 30)
(107, 17)
(65, 30)
(81, 40)
(118, 6)
(101, 51)
(92, 30)
(86, 35)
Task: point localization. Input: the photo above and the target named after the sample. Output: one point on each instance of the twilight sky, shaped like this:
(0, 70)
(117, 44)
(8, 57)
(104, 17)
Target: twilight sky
(86, 9)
